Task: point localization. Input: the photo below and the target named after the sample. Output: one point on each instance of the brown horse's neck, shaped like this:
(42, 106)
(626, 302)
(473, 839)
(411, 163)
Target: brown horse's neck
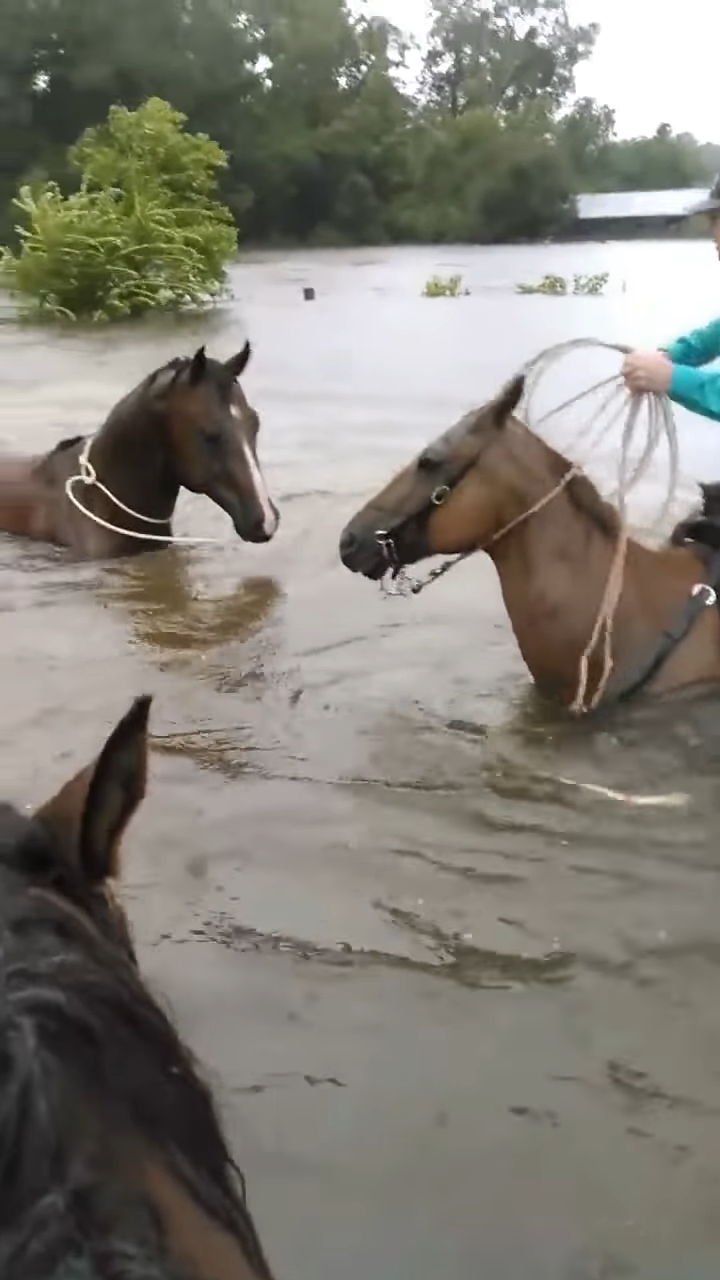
(131, 458)
(553, 570)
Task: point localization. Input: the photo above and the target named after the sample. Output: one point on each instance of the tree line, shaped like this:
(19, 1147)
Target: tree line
(338, 128)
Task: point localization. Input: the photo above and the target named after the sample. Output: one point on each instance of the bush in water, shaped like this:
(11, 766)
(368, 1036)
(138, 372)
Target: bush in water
(445, 287)
(559, 287)
(144, 230)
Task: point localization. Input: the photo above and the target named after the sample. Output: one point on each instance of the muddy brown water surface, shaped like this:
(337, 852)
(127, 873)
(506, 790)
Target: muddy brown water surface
(461, 1014)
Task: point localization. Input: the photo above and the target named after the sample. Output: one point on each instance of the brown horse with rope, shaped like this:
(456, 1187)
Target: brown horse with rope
(112, 1157)
(597, 615)
(188, 425)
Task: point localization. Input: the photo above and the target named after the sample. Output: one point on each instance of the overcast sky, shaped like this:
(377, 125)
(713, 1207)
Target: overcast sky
(651, 62)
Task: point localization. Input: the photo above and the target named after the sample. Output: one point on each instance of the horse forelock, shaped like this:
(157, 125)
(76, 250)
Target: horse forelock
(85, 1051)
(145, 398)
(214, 372)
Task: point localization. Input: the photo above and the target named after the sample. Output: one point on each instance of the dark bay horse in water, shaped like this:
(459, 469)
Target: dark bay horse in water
(188, 425)
(113, 1164)
(490, 483)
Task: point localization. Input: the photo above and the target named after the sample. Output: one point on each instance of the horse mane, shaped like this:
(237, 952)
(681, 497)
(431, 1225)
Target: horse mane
(62, 445)
(586, 499)
(138, 399)
(86, 1053)
(584, 496)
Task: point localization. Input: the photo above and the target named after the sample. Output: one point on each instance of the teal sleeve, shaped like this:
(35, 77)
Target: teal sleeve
(697, 390)
(699, 347)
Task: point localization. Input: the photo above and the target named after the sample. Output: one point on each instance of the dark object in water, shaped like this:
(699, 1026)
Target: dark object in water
(309, 294)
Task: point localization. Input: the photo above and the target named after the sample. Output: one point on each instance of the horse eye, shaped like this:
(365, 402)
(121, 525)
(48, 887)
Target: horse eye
(428, 462)
(211, 435)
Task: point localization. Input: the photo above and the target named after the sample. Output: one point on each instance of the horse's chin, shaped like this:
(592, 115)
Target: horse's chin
(372, 555)
(379, 565)
(377, 571)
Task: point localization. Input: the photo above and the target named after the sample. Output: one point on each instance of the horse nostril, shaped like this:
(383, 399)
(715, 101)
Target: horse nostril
(258, 532)
(254, 530)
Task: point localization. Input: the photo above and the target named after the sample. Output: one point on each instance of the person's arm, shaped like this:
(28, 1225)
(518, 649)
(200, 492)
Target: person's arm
(697, 348)
(696, 389)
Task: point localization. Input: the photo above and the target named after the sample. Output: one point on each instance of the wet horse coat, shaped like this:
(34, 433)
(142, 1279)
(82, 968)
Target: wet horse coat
(491, 484)
(188, 425)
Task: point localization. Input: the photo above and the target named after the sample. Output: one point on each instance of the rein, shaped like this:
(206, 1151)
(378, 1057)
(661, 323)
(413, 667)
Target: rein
(87, 475)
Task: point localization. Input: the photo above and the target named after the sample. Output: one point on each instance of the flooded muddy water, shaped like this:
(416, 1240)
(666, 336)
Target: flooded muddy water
(461, 1013)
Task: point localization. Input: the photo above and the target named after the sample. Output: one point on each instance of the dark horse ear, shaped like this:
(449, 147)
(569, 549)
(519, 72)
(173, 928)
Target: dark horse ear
(198, 367)
(508, 400)
(238, 364)
(88, 816)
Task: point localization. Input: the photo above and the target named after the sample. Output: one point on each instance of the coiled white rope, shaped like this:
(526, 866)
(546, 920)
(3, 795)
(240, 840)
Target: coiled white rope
(617, 403)
(87, 475)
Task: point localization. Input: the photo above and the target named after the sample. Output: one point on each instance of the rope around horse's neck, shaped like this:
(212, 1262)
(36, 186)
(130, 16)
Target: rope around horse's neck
(87, 475)
(661, 423)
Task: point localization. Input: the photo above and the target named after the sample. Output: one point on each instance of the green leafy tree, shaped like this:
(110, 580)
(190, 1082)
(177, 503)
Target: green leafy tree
(531, 188)
(143, 231)
(502, 53)
(585, 134)
(485, 177)
(659, 163)
(326, 141)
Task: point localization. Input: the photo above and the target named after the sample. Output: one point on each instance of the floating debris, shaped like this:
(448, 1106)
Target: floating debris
(669, 800)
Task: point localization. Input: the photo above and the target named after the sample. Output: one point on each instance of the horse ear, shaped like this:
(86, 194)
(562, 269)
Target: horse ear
(238, 364)
(89, 814)
(198, 367)
(508, 400)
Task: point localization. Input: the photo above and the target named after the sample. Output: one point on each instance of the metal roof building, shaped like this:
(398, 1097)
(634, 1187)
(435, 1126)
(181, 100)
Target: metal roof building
(639, 205)
(623, 215)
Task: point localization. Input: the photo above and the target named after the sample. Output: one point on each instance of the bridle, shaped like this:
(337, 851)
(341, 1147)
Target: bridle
(401, 583)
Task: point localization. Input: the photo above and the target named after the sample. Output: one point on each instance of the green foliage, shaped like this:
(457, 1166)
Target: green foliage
(502, 54)
(309, 100)
(445, 287)
(143, 231)
(590, 286)
(555, 286)
(559, 287)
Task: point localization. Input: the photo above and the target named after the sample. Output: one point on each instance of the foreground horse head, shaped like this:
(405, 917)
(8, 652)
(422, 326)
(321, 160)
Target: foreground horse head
(561, 553)
(188, 425)
(112, 1159)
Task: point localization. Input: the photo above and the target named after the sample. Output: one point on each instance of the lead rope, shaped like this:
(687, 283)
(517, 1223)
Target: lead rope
(87, 475)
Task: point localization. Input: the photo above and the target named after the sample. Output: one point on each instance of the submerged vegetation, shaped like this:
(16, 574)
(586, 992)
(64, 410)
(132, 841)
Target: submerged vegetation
(560, 286)
(445, 287)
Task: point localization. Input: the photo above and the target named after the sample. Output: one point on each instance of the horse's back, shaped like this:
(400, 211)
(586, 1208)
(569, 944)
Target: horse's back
(31, 497)
(35, 503)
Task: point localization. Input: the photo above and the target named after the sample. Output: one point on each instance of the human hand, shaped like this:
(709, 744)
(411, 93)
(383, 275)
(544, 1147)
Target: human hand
(647, 371)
